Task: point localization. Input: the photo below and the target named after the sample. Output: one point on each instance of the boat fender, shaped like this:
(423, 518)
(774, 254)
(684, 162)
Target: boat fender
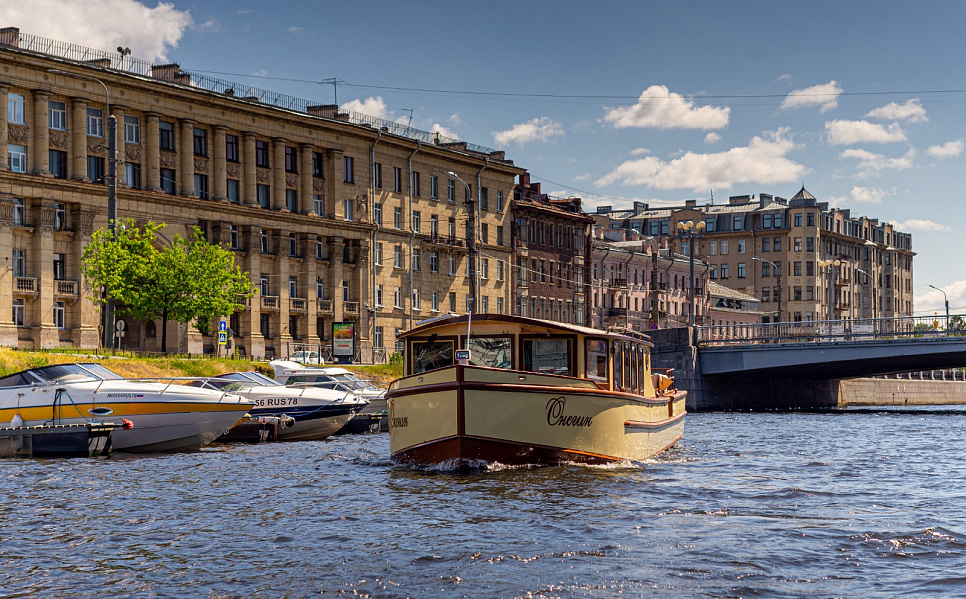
(17, 420)
(128, 425)
(288, 422)
(661, 382)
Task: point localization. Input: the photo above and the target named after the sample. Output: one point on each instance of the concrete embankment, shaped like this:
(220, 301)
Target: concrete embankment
(900, 392)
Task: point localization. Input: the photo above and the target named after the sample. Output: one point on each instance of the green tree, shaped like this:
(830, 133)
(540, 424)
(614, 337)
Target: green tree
(191, 280)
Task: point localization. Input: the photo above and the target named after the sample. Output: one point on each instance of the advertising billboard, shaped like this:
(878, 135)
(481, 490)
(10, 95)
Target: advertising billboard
(343, 339)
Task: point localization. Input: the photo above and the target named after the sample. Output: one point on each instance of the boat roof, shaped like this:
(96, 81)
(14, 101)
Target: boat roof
(525, 324)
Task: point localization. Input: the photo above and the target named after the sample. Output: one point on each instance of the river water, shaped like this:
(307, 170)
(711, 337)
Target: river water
(868, 503)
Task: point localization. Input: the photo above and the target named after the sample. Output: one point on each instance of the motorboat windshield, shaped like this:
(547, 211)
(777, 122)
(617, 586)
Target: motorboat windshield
(60, 373)
(238, 380)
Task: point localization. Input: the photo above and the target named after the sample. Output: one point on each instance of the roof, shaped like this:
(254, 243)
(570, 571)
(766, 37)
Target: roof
(718, 290)
(519, 321)
(802, 194)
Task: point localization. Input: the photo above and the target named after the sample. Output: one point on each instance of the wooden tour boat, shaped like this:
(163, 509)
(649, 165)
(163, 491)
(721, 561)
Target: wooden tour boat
(528, 391)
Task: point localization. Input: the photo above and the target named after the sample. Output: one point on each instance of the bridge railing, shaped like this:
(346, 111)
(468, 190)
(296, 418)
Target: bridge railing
(827, 331)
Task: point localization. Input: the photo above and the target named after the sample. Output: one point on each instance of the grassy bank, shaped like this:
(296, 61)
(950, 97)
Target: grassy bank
(138, 367)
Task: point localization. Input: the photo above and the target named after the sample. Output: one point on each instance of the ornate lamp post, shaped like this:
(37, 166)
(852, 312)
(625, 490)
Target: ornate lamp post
(778, 275)
(690, 231)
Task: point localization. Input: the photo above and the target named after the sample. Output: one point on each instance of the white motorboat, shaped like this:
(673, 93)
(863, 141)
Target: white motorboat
(308, 413)
(166, 416)
(293, 373)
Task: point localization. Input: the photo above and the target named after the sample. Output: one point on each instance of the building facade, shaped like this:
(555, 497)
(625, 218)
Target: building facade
(802, 259)
(337, 217)
(550, 240)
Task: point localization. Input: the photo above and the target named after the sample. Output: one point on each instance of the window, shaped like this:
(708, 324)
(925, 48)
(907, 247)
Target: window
(19, 263)
(741, 246)
(434, 187)
(485, 268)
(736, 223)
(378, 296)
(724, 247)
(397, 217)
(451, 191)
(713, 248)
(797, 269)
(415, 300)
(293, 287)
(416, 263)
(95, 169)
(291, 160)
(499, 235)
(320, 248)
(264, 195)
(58, 115)
(17, 158)
(261, 153)
(18, 311)
(293, 245)
(798, 219)
(810, 268)
(778, 221)
(264, 242)
(318, 204)
(500, 270)
(765, 269)
(320, 289)
(397, 299)
(201, 186)
(292, 200)
(231, 148)
(60, 267)
(451, 227)
(416, 185)
(377, 254)
(396, 179)
(264, 326)
(452, 264)
(484, 233)
(499, 305)
(452, 301)
(434, 301)
(434, 225)
(809, 244)
(317, 164)
(434, 262)
(166, 135)
(417, 221)
(377, 214)
(741, 270)
(499, 208)
(60, 315)
(397, 256)
(232, 191)
(233, 237)
(347, 207)
(200, 137)
(713, 271)
(798, 243)
(724, 271)
(15, 109)
(58, 163)
(777, 244)
(484, 304)
(810, 219)
(765, 244)
(18, 212)
(484, 200)
(348, 167)
(766, 221)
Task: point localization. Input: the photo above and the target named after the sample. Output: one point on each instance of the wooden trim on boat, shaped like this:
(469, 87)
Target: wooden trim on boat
(658, 424)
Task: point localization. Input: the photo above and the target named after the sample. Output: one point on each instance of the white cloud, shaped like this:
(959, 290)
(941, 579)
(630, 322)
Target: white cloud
(437, 128)
(762, 161)
(296, 30)
(867, 195)
(640, 152)
(372, 106)
(455, 120)
(911, 111)
(845, 133)
(536, 129)
(916, 224)
(871, 163)
(102, 25)
(785, 77)
(659, 108)
(950, 149)
(825, 96)
(932, 301)
(711, 138)
(583, 177)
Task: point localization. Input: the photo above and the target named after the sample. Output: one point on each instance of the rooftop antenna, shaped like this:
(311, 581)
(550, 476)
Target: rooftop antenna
(335, 88)
(712, 197)
(410, 111)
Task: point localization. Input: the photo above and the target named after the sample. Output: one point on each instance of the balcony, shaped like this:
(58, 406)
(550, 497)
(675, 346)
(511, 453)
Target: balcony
(617, 284)
(324, 306)
(66, 288)
(25, 285)
(615, 312)
(270, 302)
(298, 304)
(350, 308)
(244, 301)
(448, 241)
(522, 249)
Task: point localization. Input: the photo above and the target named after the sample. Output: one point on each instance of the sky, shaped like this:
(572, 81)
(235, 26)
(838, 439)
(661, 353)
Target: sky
(617, 101)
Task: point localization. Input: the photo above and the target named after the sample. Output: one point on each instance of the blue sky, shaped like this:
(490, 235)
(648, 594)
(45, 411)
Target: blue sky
(618, 101)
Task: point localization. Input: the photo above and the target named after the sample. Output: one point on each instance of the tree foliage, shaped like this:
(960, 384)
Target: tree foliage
(188, 281)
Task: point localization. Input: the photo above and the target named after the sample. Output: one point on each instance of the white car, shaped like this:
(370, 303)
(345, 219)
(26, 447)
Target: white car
(307, 357)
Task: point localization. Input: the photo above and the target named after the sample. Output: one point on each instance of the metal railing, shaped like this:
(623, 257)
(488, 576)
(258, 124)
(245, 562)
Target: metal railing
(828, 331)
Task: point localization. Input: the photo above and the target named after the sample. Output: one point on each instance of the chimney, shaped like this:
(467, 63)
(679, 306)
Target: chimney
(10, 36)
(690, 203)
(639, 207)
(166, 72)
(104, 63)
(525, 180)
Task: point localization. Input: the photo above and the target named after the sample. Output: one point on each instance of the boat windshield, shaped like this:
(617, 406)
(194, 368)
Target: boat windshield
(60, 373)
(261, 379)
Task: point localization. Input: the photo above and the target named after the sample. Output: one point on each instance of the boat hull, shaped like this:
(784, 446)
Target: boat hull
(469, 414)
(313, 424)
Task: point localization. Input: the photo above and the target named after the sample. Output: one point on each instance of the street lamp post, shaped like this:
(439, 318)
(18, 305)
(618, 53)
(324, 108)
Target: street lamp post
(111, 193)
(690, 231)
(946, 300)
(830, 265)
(778, 275)
(470, 239)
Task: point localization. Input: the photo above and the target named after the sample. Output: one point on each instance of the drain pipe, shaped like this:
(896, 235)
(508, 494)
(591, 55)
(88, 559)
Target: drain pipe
(479, 231)
(375, 232)
(412, 231)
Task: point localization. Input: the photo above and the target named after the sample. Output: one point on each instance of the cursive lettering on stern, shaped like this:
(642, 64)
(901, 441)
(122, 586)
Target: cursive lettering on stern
(556, 416)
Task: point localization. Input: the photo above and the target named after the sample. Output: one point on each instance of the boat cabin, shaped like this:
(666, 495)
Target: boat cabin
(614, 360)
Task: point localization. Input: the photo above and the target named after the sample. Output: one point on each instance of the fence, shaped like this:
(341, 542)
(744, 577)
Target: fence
(908, 327)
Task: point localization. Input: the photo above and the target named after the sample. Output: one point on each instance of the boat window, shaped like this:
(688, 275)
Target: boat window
(261, 379)
(641, 370)
(550, 356)
(431, 355)
(491, 351)
(618, 367)
(15, 380)
(64, 373)
(628, 359)
(101, 372)
(596, 360)
(634, 363)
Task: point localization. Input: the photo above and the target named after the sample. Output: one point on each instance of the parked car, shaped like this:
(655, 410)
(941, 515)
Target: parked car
(307, 357)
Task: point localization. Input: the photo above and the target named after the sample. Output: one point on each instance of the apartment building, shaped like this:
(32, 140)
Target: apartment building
(335, 216)
(804, 260)
(550, 241)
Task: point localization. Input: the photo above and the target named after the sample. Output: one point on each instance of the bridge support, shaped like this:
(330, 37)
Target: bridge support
(673, 348)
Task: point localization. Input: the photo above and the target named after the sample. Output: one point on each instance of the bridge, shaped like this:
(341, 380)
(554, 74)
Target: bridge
(800, 364)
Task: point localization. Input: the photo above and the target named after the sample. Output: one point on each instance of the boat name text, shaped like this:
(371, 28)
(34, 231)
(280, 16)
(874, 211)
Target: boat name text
(276, 401)
(556, 417)
(400, 422)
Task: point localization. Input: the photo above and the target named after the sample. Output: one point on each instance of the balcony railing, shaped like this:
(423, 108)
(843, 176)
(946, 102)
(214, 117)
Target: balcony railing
(298, 304)
(617, 284)
(26, 284)
(350, 307)
(270, 302)
(448, 240)
(324, 306)
(68, 288)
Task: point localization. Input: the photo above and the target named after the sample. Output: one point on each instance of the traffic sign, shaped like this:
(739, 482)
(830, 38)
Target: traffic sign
(119, 325)
(222, 325)
(222, 337)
